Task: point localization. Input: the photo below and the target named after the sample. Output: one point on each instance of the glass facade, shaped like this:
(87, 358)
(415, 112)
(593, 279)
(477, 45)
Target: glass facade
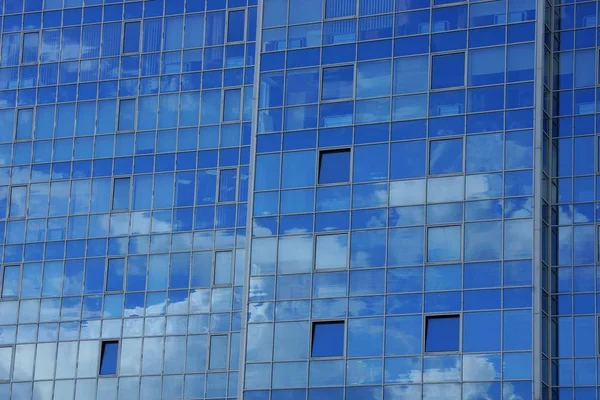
(299, 199)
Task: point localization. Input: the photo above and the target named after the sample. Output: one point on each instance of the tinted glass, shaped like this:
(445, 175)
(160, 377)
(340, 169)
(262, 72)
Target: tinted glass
(108, 358)
(334, 166)
(328, 339)
(442, 333)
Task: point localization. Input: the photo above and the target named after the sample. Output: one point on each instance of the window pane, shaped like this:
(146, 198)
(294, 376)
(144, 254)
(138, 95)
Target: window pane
(5, 362)
(227, 185)
(121, 194)
(338, 82)
(236, 26)
(131, 42)
(448, 71)
(332, 251)
(443, 244)
(486, 66)
(445, 156)
(30, 47)
(18, 197)
(116, 268)
(108, 360)
(126, 115)
(334, 166)
(231, 109)
(218, 352)
(223, 261)
(10, 283)
(328, 339)
(339, 8)
(411, 74)
(442, 333)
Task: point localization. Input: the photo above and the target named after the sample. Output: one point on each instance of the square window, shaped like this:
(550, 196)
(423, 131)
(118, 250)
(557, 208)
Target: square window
(328, 339)
(338, 83)
(131, 39)
(442, 333)
(443, 243)
(121, 194)
(109, 357)
(448, 71)
(334, 166)
(331, 251)
(445, 156)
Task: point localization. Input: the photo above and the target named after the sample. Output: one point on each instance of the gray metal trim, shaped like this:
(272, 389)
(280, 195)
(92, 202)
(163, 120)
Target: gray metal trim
(249, 216)
(537, 216)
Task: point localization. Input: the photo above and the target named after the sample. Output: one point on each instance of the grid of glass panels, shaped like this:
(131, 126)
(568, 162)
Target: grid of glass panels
(575, 216)
(393, 200)
(125, 150)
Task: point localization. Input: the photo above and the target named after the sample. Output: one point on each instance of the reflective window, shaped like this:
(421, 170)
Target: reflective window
(236, 26)
(445, 156)
(127, 109)
(109, 357)
(338, 83)
(442, 333)
(6, 356)
(223, 263)
(443, 243)
(339, 8)
(448, 71)
(334, 166)
(116, 270)
(121, 198)
(218, 352)
(332, 251)
(328, 339)
(131, 39)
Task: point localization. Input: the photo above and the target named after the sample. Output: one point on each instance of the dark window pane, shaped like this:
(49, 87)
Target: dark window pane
(108, 360)
(442, 333)
(448, 71)
(334, 166)
(131, 41)
(328, 339)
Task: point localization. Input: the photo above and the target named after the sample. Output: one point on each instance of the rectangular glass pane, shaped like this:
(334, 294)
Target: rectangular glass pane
(108, 358)
(218, 352)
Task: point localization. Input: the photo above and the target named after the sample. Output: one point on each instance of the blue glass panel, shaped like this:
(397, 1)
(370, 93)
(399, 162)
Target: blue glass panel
(328, 339)
(442, 333)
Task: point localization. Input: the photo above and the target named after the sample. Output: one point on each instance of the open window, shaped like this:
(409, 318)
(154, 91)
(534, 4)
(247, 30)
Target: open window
(108, 357)
(334, 166)
(442, 333)
(328, 339)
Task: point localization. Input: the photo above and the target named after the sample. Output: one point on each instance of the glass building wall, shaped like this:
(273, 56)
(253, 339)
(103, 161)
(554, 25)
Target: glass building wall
(397, 202)
(393, 205)
(125, 152)
(575, 127)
